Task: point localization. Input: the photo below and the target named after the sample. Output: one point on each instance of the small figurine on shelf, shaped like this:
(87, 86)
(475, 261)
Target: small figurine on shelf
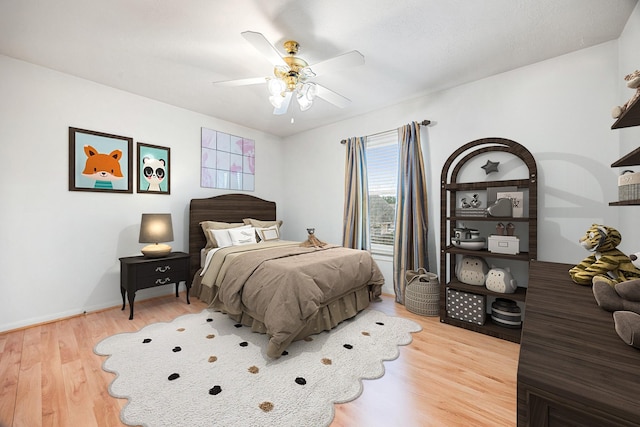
(633, 82)
(475, 202)
(312, 241)
(464, 204)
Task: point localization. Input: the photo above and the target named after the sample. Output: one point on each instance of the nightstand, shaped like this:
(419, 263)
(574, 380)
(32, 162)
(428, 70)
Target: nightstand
(139, 272)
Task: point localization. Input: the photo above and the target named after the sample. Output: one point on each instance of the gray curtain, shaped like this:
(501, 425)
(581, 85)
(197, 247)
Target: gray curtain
(355, 229)
(410, 250)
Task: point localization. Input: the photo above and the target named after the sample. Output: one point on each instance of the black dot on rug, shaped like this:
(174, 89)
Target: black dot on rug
(285, 353)
(176, 349)
(215, 390)
(380, 323)
(238, 325)
(209, 320)
(173, 377)
(348, 346)
(301, 381)
(244, 344)
(146, 340)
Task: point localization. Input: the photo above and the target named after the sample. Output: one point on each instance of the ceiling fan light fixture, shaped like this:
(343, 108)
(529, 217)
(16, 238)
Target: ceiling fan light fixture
(304, 103)
(276, 100)
(276, 87)
(291, 74)
(306, 93)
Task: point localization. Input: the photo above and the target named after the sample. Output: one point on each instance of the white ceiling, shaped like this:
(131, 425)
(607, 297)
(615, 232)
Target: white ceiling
(172, 51)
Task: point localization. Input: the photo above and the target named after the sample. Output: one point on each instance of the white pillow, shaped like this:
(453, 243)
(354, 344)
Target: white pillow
(222, 236)
(242, 235)
(214, 225)
(268, 233)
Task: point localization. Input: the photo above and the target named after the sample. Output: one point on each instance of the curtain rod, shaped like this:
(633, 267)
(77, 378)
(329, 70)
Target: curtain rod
(425, 122)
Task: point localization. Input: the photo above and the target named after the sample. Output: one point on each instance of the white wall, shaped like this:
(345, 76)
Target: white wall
(60, 248)
(559, 109)
(629, 60)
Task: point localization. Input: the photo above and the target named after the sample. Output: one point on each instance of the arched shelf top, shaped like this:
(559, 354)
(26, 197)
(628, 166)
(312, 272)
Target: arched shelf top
(485, 145)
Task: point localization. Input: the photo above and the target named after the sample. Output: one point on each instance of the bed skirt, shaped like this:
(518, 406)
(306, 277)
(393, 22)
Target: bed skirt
(326, 318)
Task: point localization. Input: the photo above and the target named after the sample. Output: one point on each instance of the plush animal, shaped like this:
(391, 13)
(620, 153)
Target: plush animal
(623, 299)
(104, 168)
(609, 264)
(472, 270)
(500, 280)
(154, 172)
(633, 82)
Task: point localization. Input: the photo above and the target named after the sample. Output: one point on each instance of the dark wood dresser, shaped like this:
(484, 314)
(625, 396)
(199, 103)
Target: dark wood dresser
(574, 370)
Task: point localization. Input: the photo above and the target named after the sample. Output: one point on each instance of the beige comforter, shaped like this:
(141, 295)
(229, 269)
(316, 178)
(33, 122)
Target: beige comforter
(283, 285)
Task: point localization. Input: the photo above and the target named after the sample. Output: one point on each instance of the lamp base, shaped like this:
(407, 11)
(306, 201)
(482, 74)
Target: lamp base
(156, 250)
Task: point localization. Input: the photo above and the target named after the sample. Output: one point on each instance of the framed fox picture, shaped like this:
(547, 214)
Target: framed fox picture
(100, 162)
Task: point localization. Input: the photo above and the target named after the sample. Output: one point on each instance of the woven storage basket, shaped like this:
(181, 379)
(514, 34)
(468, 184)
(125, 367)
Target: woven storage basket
(422, 295)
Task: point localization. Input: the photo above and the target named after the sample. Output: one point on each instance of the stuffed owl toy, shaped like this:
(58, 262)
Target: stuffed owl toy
(472, 270)
(500, 280)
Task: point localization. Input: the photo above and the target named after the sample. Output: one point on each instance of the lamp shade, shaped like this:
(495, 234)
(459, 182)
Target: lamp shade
(156, 229)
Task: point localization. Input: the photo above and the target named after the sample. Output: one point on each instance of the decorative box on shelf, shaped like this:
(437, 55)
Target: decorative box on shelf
(504, 245)
(466, 306)
(629, 186)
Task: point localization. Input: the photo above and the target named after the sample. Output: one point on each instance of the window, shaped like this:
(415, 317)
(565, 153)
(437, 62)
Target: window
(382, 174)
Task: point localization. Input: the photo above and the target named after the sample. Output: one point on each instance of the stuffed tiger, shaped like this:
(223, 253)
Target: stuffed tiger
(608, 264)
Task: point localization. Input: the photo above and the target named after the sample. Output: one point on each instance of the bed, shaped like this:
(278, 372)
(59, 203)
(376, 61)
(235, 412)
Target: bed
(283, 289)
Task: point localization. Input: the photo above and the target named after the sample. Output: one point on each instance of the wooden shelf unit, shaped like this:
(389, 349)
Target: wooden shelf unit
(448, 221)
(631, 117)
(631, 159)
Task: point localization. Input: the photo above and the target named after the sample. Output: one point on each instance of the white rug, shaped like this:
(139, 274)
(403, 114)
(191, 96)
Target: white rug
(203, 369)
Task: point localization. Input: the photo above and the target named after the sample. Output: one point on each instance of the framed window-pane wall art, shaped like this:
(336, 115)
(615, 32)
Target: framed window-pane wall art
(100, 162)
(227, 162)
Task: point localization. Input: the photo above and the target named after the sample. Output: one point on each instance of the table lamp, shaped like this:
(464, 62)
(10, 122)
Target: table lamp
(156, 229)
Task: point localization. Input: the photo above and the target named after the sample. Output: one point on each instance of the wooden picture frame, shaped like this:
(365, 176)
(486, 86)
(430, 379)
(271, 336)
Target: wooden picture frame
(154, 174)
(100, 162)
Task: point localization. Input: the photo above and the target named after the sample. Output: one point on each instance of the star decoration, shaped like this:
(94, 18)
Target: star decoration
(490, 167)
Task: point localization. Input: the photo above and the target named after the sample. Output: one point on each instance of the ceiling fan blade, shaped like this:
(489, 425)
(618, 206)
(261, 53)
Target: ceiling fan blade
(285, 105)
(242, 82)
(349, 59)
(332, 97)
(263, 46)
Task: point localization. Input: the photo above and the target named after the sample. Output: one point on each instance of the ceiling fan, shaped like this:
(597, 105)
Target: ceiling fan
(292, 75)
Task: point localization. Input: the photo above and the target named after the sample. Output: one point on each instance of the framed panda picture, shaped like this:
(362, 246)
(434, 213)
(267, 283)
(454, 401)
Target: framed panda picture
(154, 174)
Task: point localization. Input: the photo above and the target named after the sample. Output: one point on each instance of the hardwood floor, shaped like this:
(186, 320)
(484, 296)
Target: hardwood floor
(448, 376)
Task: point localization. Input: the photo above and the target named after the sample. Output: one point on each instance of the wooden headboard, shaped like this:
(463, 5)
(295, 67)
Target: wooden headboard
(224, 208)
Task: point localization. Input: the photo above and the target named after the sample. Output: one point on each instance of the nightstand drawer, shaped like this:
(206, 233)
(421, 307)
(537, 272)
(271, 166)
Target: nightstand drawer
(159, 280)
(161, 268)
